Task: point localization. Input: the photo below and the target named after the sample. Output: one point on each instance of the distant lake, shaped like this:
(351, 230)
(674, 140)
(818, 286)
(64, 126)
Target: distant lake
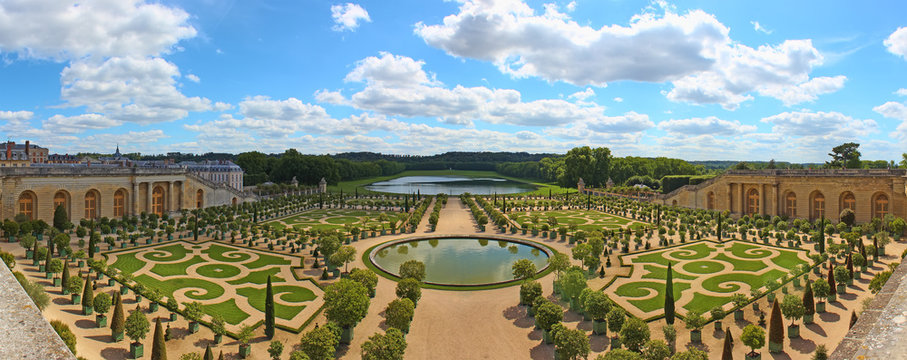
(451, 185)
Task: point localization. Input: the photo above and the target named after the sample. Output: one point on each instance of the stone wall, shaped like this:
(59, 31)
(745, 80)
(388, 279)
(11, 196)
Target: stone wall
(881, 330)
(26, 335)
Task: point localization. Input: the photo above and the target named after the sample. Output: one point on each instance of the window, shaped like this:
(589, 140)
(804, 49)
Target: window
(119, 203)
(849, 202)
(880, 206)
(60, 199)
(91, 205)
(818, 205)
(27, 205)
(199, 199)
(752, 202)
(790, 205)
(157, 201)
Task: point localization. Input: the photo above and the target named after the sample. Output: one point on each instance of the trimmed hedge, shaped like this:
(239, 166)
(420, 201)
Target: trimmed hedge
(670, 183)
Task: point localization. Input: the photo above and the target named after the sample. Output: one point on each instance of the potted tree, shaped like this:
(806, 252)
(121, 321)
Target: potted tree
(739, 301)
(118, 323)
(87, 297)
(173, 306)
(792, 308)
(859, 261)
(571, 343)
(616, 318)
(546, 315)
(754, 337)
(809, 305)
(399, 314)
(101, 305)
(55, 267)
(718, 314)
(842, 276)
(346, 303)
(28, 242)
(154, 296)
(529, 291)
(597, 306)
(822, 290)
(194, 312)
(218, 327)
(74, 286)
(244, 336)
(137, 326)
(695, 322)
(367, 278)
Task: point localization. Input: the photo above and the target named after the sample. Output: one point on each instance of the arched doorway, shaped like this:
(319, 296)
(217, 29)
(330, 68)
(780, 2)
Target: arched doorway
(119, 203)
(61, 198)
(848, 201)
(790, 204)
(752, 202)
(26, 204)
(710, 201)
(816, 205)
(91, 204)
(199, 199)
(880, 206)
(157, 201)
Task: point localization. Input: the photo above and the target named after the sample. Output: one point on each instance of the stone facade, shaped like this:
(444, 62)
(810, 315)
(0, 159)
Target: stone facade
(804, 194)
(111, 192)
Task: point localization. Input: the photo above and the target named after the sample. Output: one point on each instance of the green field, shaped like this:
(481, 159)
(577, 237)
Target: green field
(350, 187)
(334, 219)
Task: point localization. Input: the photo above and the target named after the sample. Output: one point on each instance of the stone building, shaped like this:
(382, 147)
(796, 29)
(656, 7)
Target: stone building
(218, 172)
(20, 155)
(107, 191)
(808, 194)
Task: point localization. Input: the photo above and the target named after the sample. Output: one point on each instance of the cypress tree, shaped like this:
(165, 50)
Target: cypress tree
(719, 227)
(195, 232)
(669, 296)
(208, 354)
(776, 326)
(728, 347)
(822, 236)
(118, 322)
(221, 357)
(269, 310)
(48, 258)
(87, 296)
(65, 276)
(808, 299)
(158, 346)
(831, 279)
(60, 219)
(91, 244)
(853, 319)
(849, 264)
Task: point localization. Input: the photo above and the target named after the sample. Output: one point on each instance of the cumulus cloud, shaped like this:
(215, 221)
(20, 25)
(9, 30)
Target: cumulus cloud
(348, 16)
(17, 117)
(583, 95)
(79, 123)
(820, 124)
(897, 42)
(69, 29)
(758, 27)
(898, 111)
(805, 92)
(193, 78)
(691, 50)
(705, 126)
(901, 92)
(399, 86)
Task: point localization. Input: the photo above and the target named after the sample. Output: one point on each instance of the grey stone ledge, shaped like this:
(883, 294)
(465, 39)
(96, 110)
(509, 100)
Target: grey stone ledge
(26, 334)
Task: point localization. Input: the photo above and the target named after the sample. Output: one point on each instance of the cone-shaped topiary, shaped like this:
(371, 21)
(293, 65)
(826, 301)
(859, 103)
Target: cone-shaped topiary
(809, 303)
(65, 276)
(728, 347)
(158, 346)
(87, 296)
(831, 279)
(669, 296)
(118, 322)
(853, 319)
(776, 329)
(208, 354)
(269, 310)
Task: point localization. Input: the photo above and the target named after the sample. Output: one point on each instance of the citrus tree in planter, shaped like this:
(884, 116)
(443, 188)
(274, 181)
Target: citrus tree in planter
(616, 318)
(218, 327)
(367, 278)
(529, 291)
(694, 322)
(137, 327)
(74, 286)
(346, 303)
(194, 312)
(546, 315)
(792, 308)
(634, 334)
(245, 336)
(753, 337)
(409, 288)
(718, 314)
(739, 301)
(399, 314)
(570, 344)
(572, 284)
(597, 306)
(390, 345)
(320, 343)
(101, 304)
(523, 269)
(821, 290)
(841, 277)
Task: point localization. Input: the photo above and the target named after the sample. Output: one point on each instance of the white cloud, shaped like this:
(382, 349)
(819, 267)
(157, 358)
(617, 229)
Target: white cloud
(583, 95)
(16, 117)
(804, 92)
(398, 86)
(69, 29)
(129, 89)
(758, 27)
(348, 16)
(705, 126)
(691, 50)
(901, 92)
(619, 99)
(571, 6)
(222, 106)
(898, 111)
(193, 78)
(78, 123)
(820, 124)
(897, 42)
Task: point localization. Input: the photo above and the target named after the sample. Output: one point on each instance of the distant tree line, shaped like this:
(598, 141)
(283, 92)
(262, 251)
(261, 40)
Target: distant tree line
(309, 169)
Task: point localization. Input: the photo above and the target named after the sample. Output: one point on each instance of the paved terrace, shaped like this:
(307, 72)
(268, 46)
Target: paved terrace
(26, 335)
(881, 331)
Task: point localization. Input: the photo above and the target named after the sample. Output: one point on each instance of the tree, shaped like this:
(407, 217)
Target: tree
(581, 252)
(559, 262)
(320, 343)
(845, 155)
(529, 291)
(597, 305)
(548, 314)
(346, 303)
(193, 311)
(269, 310)
(669, 296)
(366, 277)
(101, 303)
(412, 269)
(616, 318)
(792, 307)
(656, 350)
(87, 295)
(409, 288)
(523, 269)
(399, 314)
(296, 355)
(65, 334)
(694, 320)
(754, 337)
(275, 349)
(620, 354)
(809, 304)
(821, 353)
(118, 322)
(571, 344)
(776, 327)
(344, 255)
(388, 346)
(208, 354)
(634, 334)
(572, 284)
(137, 325)
(191, 356)
(158, 346)
(691, 354)
(61, 221)
(728, 347)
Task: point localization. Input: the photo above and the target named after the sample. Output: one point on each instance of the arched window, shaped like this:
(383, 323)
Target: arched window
(818, 206)
(199, 199)
(119, 203)
(27, 204)
(752, 202)
(790, 204)
(848, 201)
(60, 199)
(880, 206)
(157, 201)
(710, 201)
(91, 205)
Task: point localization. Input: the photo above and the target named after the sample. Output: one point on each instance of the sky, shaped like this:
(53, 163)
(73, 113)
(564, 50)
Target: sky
(698, 80)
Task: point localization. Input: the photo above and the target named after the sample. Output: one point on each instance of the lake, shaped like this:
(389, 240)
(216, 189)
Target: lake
(451, 185)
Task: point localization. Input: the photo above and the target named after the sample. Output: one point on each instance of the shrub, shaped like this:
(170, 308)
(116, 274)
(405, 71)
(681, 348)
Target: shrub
(63, 331)
(409, 288)
(399, 314)
(634, 333)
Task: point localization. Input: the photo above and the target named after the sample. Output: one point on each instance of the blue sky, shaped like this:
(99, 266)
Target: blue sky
(724, 80)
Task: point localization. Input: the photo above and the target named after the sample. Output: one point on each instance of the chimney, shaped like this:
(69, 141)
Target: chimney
(9, 150)
(26, 150)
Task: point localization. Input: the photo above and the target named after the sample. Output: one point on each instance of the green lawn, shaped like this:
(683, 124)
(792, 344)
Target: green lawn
(232, 314)
(289, 293)
(166, 270)
(644, 288)
(336, 219)
(127, 263)
(586, 220)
